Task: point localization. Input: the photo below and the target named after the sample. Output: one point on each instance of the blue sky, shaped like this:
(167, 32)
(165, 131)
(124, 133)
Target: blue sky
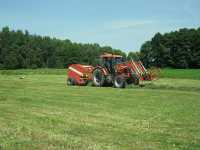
(122, 24)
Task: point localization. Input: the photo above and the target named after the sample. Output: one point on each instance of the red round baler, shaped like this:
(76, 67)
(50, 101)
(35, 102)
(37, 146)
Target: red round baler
(79, 74)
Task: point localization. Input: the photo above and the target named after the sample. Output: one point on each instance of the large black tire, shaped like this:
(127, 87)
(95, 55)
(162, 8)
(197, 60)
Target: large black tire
(71, 81)
(119, 82)
(98, 77)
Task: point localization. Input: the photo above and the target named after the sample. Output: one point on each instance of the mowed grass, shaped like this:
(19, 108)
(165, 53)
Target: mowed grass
(34, 72)
(41, 112)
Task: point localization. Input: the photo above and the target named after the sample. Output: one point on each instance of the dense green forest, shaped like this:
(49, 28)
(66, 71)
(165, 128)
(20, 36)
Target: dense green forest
(179, 49)
(18, 49)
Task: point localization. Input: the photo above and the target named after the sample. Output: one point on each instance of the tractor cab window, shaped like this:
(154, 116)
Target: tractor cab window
(108, 63)
(118, 60)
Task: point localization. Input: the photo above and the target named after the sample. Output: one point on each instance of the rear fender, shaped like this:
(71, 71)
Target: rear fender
(104, 70)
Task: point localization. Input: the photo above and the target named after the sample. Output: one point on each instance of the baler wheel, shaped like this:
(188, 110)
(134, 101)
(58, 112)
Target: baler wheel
(71, 81)
(119, 82)
(98, 77)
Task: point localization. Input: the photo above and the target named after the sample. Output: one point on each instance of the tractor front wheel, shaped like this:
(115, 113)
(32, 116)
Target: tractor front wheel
(98, 77)
(119, 82)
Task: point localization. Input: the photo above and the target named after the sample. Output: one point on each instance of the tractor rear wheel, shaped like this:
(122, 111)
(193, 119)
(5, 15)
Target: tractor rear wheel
(119, 82)
(71, 81)
(98, 77)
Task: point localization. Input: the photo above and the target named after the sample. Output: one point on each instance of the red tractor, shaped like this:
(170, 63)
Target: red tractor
(112, 71)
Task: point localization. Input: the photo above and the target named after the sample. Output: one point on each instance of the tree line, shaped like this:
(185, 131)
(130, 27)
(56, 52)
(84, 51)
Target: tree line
(178, 49)
(20, 49)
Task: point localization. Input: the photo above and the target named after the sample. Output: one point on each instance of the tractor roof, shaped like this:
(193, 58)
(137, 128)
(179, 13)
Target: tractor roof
(108, 55)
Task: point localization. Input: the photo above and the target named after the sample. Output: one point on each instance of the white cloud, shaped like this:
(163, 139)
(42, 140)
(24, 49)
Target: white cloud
(118, 25)
(123, 24)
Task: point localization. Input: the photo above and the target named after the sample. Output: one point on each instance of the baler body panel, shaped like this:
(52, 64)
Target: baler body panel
(80, 73)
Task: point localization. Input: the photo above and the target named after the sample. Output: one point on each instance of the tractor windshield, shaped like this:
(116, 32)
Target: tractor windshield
(118, 61)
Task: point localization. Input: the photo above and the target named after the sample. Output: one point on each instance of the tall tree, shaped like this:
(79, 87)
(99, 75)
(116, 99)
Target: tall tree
(179, 49)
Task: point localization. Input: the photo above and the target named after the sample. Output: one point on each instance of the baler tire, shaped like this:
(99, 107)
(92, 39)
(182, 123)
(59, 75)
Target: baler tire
(71, 81)
(86, 83)
(119, 82)
(98, 82)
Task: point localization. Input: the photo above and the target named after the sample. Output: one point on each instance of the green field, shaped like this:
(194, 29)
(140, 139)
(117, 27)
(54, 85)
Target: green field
(181, 73)
(41, 112)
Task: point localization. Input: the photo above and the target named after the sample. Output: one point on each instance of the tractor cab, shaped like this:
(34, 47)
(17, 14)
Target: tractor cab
(109, 61)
